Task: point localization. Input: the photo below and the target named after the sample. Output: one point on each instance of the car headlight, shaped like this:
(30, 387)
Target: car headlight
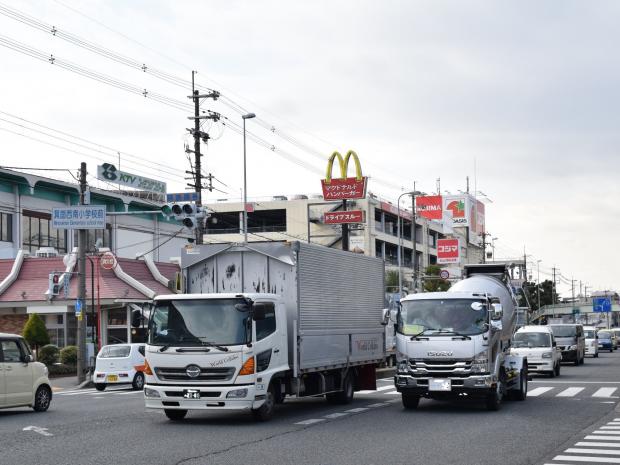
(151, 393)
(403, 366)
(480, 364)
(547, 354)
(572, 347)
(237, 394)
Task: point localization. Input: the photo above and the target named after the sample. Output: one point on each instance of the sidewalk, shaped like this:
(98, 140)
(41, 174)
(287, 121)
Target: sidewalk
(66, 383)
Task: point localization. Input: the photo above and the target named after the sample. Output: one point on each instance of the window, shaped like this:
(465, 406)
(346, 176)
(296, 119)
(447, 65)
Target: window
(117, 317)
(38, 232)
(6, 227)
(104, 236)
(267, 326)
(115, 352)
(141, 349)
(11, 352)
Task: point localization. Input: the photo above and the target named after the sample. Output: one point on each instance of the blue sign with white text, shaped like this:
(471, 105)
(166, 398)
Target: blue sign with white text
(601, 304)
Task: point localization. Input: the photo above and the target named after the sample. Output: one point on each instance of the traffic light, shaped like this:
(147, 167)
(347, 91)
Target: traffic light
(54, 283)
(188, 214)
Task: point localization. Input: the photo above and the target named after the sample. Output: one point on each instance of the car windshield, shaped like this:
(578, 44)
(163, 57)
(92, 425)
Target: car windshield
(564, 331)
(532, 340)
(604, 335)
(197, 322)
(462, 316)
(120, 351)
(589, 333)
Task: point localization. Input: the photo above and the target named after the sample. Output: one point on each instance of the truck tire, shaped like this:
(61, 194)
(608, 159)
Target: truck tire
(494, 398)
(410, 401)
(552, 373)
(175, 415)
(557, 369)
(576, 362)
(345, 396)
(521, 393)
(265, 411)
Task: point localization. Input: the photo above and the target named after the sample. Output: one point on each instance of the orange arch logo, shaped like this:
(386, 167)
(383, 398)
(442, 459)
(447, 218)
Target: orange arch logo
(457, 207)
(344, 187)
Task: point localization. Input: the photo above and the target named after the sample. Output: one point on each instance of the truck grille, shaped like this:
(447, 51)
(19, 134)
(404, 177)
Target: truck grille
(206, 374)
(440, 368)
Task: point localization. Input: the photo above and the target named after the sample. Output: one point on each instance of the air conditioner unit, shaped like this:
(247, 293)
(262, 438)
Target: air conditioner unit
(46, 252)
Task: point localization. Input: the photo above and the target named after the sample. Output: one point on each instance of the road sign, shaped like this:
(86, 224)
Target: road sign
(109, 173)
(350, 216)
(183, 197)
(108, 261)
(444, 274)
(79, 217)
(601, 305)
(78, 310)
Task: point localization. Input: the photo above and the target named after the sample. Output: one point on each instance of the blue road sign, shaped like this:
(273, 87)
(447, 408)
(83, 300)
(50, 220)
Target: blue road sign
(601, 304)
(78, 306)
(182, 197)
(79, 217)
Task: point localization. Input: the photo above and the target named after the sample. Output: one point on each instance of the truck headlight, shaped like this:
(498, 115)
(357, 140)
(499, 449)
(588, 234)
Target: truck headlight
(403, 366)
(237, 394)
(480, 364)
(572, 347)
(547, 354)
(148, 392)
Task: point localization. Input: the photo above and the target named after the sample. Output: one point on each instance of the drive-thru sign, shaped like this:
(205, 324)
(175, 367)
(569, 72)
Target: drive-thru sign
(448, 251)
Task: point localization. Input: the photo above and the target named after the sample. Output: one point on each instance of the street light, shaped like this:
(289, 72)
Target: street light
(400, 275)
(245, 185)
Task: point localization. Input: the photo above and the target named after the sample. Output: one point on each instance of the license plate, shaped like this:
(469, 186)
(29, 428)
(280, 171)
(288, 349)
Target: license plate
(112, 378)
(439, 385)
(191, 394)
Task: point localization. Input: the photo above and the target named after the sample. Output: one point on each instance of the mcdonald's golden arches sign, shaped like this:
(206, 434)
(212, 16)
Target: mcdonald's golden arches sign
(344, 188)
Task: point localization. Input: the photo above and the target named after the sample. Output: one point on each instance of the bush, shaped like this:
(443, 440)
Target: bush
(48, 354)
(61, 370)
(68, 355)
(35, 332)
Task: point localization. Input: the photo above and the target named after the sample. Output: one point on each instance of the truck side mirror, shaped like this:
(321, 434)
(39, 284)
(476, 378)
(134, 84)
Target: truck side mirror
(497, 312)
(554, 344)
(136, 318)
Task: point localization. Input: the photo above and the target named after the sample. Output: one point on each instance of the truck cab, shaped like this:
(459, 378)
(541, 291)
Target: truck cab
(215, 351)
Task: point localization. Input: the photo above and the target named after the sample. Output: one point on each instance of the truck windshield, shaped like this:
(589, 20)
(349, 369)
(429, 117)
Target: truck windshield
(564, 331)
(589, 333)
(197, 322)
(532, 340)
(463, 316)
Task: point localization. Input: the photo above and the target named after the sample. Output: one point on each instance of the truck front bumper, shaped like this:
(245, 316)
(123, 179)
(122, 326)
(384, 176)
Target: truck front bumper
(211, 397)
(480, 384)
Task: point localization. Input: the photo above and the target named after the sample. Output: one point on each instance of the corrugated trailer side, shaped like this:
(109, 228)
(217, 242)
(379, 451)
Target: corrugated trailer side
(340, 308)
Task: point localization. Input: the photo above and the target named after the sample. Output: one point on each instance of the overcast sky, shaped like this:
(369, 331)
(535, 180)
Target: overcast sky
(520, 96)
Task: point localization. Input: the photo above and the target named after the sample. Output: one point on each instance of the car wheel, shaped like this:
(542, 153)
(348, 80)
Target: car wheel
(265, 411)
(557, 369)
(175, 415)
(576, 362)
(552, 373)
(138, 381)
(100, 386)
(410, 401)
(595, 354)
(42, 399)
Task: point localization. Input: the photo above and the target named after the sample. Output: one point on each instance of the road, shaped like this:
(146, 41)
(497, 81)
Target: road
(569, 413)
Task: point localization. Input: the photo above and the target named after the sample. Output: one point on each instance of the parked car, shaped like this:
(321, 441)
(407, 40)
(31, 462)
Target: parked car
(119, 364)
(590, 333)
(569, 338)
(538, 345)
(23, 382)
(606, 340)
(616, 333)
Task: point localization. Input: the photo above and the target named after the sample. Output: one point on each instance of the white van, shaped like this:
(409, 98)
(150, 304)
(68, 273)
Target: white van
(120, 364)
(538, 345)
(591, 336)
(23, 382)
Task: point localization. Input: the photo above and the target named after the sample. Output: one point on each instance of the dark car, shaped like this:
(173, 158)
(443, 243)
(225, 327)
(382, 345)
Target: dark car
(605, 340)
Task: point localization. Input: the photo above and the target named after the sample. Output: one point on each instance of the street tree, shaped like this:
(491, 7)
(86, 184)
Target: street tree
(35, 332)
(432, 281)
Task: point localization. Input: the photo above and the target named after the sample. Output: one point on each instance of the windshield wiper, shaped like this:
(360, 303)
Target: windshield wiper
(211, 344)
(164, 348)
(422, 332)
(456, 333)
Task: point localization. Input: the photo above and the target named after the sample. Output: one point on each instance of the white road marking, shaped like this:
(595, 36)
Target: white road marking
(130, 392)
(588, 459)
(380, 404)
(38, 429)
(384, 388)
(598, 444)
(576, 382)
(605, 438)
(604, 392)
(538, 391)
(610, 427)
(606, 432)
(392, 393)
(574, 450)
(570, 392)
(310, 422)
(336, 415)
(357, 410)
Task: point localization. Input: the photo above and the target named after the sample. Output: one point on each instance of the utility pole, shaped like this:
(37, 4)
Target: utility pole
(81, 297)
(572, 285)
(198, 135)
(553, 287)
(414, 275)
(345, 229)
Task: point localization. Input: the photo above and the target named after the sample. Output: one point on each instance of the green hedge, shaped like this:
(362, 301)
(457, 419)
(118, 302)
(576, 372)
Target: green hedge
(68, 355)
(48, 354)
(61, 370)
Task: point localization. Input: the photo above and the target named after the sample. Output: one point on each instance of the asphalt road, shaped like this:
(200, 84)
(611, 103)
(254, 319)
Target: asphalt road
(89, 427)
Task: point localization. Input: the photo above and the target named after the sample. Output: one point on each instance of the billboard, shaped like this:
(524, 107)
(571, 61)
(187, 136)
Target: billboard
(429, 207)
(340, 217)
(448, 251)
(465, 211)
(344, 187)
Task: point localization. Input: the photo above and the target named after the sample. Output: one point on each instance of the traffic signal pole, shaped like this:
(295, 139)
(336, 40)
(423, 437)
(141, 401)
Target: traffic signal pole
(81, 297)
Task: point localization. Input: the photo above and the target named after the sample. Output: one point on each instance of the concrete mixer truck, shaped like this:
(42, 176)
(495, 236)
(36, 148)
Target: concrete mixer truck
(456, 344)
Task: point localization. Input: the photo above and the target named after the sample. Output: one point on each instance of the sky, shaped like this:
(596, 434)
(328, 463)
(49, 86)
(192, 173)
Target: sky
(519, 96)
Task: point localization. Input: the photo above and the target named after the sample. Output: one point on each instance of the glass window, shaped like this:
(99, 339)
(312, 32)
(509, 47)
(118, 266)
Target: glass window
(37, 232)
(117, 335)
(141, 349)
(532, 340)
(11, 352)
(564, 331)
(6, 227)
(118, 351)
(117, 317)
(437, 317)
(267, 326)
(97, 237)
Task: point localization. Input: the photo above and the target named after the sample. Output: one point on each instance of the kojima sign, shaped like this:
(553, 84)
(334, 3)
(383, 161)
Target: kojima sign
(448, 251)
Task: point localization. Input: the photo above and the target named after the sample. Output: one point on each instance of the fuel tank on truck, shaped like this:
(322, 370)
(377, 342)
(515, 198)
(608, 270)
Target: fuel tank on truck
(481, 284)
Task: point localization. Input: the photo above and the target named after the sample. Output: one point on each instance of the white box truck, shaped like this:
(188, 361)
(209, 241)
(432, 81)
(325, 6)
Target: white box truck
(262, 321)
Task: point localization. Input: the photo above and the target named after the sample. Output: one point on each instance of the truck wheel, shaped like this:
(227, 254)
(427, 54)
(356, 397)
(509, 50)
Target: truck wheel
(410, 401)
(175, 415)
(494, 399)
(265, 411)
(521, 394)
(552, 373)
(557, 369)
(577, 361)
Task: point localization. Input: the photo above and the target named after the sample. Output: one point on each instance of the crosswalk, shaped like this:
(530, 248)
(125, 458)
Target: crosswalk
(574, 391)
(599, 446)
(95, 393)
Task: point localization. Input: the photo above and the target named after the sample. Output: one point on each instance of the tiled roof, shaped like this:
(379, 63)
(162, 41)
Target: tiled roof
(5, 268)
(33, 279)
